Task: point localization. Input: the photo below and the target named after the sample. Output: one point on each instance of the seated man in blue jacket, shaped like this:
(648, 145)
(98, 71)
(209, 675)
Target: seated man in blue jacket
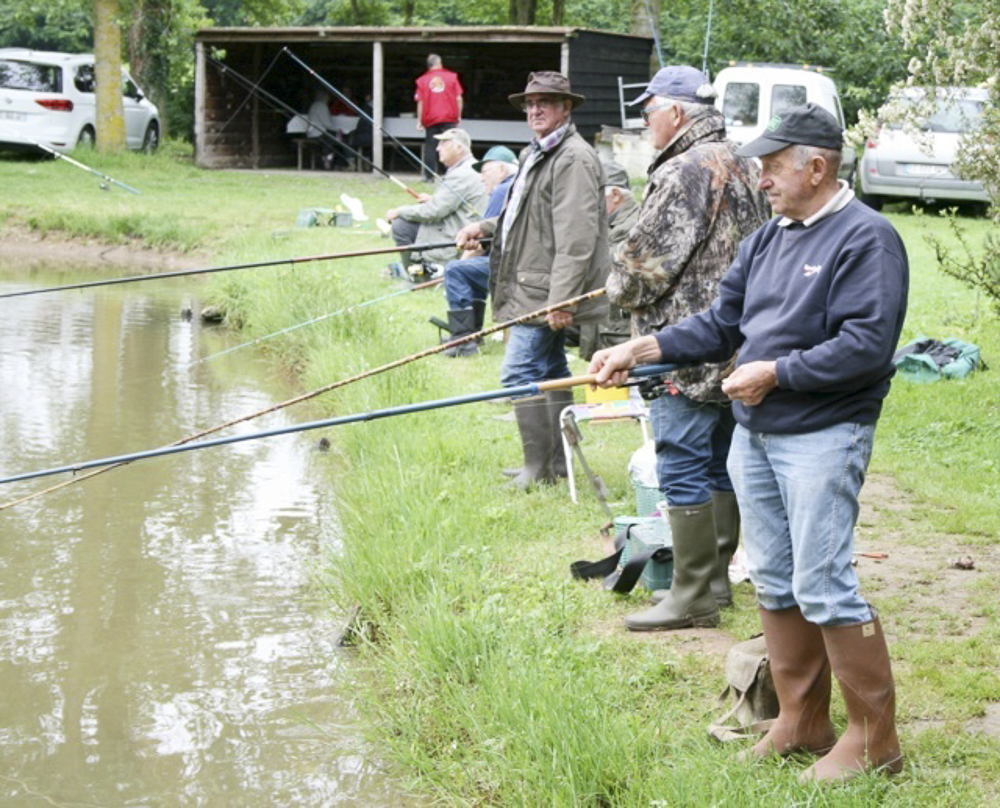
(466, 279)
(813, 304)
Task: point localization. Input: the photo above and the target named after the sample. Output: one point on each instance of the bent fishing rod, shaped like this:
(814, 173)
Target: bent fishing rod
(534, 315)
(532, 389)
(77, 163)
(280, 106)
(383, 130)
(321, 318)
(436, 245)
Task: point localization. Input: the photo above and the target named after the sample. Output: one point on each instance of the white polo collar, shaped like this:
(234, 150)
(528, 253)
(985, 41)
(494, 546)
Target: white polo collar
(836, 203)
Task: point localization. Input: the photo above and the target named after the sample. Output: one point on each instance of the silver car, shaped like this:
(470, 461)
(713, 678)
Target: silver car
(48, 98)
(897, 164)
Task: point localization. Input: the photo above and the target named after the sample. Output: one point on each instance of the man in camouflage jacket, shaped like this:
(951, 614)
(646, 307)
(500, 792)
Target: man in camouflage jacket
(701, 201)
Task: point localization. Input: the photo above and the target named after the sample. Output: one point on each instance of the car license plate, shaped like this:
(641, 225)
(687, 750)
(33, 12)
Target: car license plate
(12, 116)
(924, 170)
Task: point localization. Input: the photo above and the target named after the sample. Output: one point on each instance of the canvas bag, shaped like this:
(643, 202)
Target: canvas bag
(750, 693)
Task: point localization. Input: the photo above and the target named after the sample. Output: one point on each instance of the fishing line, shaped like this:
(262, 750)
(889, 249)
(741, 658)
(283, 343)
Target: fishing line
(505, 392)
(444, 180)
(338, 384)
(437, 245)
(281, 106)
(72, 162)
(246, 100)
(319, 319)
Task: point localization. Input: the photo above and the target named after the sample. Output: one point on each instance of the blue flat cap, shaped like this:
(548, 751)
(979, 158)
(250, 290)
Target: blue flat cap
(681, 83)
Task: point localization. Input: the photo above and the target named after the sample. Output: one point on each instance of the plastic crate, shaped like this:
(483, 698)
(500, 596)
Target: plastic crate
(646, 499)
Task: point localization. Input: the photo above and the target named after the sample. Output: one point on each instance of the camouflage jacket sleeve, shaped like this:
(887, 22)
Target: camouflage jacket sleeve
(676, 215)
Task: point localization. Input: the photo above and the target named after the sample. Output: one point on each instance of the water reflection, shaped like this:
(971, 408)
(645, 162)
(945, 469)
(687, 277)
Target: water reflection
(157, 646)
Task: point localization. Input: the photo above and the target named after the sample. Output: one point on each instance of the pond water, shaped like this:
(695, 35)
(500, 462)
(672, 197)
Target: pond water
(160, 639)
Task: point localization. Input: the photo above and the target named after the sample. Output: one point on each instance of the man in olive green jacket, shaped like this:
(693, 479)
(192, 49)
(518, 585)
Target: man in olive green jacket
(550, 244)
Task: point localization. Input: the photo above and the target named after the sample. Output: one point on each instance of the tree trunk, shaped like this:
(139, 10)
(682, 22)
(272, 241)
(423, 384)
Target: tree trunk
(110, 116)
(149, 58)
(642, 11)
(558, 11)
(522, 12)
(409, 9)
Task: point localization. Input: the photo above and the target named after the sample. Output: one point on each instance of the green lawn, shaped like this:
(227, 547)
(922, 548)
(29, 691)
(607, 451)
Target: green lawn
(487, 676)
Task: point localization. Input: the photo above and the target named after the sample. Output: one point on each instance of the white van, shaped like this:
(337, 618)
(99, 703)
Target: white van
(749, 95)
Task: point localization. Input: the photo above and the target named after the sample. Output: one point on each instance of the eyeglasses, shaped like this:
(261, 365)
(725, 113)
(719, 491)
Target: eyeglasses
(541, 103)
(647, 111)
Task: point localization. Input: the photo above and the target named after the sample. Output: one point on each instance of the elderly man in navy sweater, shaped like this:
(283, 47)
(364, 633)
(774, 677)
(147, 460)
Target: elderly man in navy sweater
(813, 304)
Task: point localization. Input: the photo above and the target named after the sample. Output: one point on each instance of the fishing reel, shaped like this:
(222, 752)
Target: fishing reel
(652, 387)
(423, 271)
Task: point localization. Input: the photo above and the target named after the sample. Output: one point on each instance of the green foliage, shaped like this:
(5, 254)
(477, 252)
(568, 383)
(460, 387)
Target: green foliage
(846, 37)
(956, 45)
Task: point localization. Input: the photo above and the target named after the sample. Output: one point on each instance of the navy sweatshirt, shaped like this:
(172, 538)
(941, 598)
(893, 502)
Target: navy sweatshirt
(826, 301)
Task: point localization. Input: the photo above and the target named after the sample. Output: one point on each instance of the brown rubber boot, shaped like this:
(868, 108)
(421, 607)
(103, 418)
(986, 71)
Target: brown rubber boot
(689, 603)
(727, 534)
(860, 661)
(801, 674)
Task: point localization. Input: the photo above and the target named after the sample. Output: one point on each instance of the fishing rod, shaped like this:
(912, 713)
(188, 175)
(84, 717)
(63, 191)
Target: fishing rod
(532, 389)
(436, 245)
(78, 164)
(327, 316)
(279, 105)
(444, 180)
(357, 109)
(534, 315)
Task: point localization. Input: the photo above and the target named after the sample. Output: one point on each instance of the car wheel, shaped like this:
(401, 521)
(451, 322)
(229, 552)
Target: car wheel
(151, 140)
(86, 139)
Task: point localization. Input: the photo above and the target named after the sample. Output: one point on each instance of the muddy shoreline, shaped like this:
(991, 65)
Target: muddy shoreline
(28, 249)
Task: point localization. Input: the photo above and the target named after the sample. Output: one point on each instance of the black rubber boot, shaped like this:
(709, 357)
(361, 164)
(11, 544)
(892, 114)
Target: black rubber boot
(558, 400)
(536, 439)
(461, 324)
(479, 310)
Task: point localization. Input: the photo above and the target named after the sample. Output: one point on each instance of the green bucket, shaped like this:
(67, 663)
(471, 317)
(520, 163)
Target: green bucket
(646, 499)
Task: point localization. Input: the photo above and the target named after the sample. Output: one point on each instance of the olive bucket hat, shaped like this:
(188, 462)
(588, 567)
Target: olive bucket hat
(547, 82)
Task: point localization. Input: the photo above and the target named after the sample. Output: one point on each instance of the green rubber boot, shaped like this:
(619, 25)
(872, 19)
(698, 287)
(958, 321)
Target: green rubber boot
(727, 536)
(690, 602)
(536, 439)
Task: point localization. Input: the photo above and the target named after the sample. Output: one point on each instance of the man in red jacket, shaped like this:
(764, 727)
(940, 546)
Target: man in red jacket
(439, 108)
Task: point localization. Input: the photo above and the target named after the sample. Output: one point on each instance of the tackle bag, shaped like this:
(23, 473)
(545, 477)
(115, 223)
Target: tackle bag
(643, 554)
(750, 693)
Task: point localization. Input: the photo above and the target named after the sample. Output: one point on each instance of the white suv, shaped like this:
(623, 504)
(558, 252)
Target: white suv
(48, 98)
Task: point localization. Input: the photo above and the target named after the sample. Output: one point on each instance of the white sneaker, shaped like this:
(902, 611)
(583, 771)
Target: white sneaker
(383, 227)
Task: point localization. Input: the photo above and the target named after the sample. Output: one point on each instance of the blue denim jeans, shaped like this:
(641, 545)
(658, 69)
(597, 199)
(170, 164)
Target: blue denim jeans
(692, 444)
(798, 498)
(534, 353)
(465, 280)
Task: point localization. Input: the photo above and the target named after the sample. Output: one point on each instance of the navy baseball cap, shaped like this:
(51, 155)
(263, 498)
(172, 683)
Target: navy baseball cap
(808, 125)
(681, 83)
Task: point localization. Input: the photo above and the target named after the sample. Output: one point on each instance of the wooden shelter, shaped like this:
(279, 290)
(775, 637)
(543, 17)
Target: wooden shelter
(237, 128)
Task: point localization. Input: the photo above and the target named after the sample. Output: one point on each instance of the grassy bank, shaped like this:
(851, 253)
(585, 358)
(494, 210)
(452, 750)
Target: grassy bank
(487, 675)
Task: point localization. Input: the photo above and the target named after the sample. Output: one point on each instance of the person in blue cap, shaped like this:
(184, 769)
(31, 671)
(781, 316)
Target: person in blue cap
(700, 201)
(466, 279)
(814, 304)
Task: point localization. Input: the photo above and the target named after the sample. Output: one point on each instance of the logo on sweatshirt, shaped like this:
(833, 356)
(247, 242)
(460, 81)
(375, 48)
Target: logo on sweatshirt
(811, 269)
